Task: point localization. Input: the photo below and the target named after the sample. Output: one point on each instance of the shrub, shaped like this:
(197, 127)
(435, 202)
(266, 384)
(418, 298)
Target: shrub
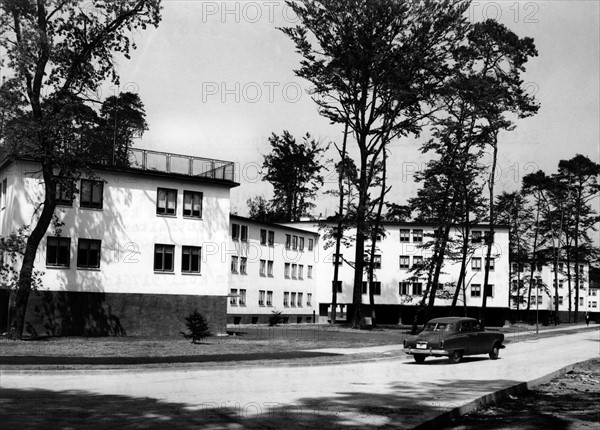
(275, 318)
(197, 326)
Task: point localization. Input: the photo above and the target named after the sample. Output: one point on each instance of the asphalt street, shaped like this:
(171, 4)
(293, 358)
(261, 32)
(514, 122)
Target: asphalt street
(392, 393)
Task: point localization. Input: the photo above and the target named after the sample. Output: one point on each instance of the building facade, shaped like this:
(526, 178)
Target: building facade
(271, 269)
(398, 289)
(542, 294)
(134, 249)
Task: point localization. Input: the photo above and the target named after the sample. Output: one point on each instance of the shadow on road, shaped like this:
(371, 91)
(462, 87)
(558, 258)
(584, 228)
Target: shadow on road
(409, 406)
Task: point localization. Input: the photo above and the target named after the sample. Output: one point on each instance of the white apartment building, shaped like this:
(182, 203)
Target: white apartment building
(397, 291)
(138, 250)
(271, 268)
(543, 294)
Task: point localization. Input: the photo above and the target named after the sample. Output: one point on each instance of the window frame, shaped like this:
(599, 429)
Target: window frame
(90, 204)
(193, 194)
(88, 242)
(271, 238)
(311, 244)
(270, 265)
(66, 244)
(168, 192)
(262, 267)
(476, 264)
(417, 235)
(475, 290)
(234, 264)
(165, 247)
(190, 252)
(244, 233)
(263, 236)
(405, 235)
(404, 258)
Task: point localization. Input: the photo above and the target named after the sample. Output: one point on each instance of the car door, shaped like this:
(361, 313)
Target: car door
(479, 339)
(465, 336)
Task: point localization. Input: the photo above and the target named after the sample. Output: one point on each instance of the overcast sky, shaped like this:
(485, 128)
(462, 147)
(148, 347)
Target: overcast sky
(217, 79)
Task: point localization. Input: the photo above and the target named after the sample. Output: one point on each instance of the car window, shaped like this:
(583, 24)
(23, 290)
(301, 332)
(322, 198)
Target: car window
(477, 327)
(438, 327)
(465, 326)
(429, 327)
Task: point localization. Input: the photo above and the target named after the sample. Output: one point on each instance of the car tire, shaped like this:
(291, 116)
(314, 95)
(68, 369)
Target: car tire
(420, 359)
(455, 357)
(495, 352)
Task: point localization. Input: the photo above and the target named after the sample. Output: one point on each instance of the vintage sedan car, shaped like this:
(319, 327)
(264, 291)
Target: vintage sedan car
(453, 337)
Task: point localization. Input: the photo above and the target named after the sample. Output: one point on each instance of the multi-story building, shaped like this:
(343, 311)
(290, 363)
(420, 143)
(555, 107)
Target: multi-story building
(542, 294)
(134, 251)
(271, 268)
(398, 289)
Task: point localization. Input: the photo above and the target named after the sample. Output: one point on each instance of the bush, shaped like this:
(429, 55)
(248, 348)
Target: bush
(275, 318)
(197, 326)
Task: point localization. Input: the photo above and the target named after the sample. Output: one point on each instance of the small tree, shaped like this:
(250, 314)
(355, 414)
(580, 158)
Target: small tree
(197, 326)
(275, 318)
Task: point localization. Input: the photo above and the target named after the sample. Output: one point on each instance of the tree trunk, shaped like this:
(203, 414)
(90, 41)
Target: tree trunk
(360, 239)
(20, 297)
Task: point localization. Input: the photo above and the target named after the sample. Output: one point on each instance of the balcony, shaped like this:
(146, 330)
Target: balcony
(144, 159)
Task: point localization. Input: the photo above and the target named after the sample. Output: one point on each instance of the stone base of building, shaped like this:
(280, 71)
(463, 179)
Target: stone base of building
(264, 319)
(405, 314)
(58, 313)
(546, 317)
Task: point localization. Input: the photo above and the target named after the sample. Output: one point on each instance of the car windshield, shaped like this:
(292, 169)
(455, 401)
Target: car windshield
(437, 327)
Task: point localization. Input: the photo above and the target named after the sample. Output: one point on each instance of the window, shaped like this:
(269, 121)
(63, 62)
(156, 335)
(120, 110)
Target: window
(417, 235)
(58, 251)
(377, 262)
(561, 283)
(163, 258)
(288, 241)
(270, 268)
(309, 272)
(489, 290)
(90, 194)
(244, 235)
(488, 237)
(404, 261)
(286, 270)
(560, 300)
(364, 288)
(594, 305)
(301, 244)
(581, 269)
(233, 296)
(271, 238)
(192, 204)
(286, 299)
(404, 288)
(294, 271)
(190, 259)
(294, 242)
(301, 271)
(242, 298)
(166, 201)
(404, 235)
(234, 264)
(593, 292)
(338, 287)
(311, 244)
(262, 266)
(561, 267)
(376, 288)
(581, 301)
(339, 259)
(417, 288)
(64, 192)
(243, 264)
(492, 263)
(475, 290)
(300, 300)
(476, 236)
(476, 263)
(88, 253)
(417, 261)
(261, 298)
(293, 300)
(309, 299)
(263, 236)
(235, 231)
(269, 298)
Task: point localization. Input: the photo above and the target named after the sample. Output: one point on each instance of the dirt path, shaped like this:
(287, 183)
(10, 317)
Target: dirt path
(570, 401)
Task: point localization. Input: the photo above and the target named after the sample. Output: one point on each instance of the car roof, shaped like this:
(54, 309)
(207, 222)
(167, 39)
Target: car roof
(451, 319)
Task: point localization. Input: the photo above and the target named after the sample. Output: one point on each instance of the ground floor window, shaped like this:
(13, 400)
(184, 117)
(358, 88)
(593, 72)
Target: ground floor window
(58, 251)
(190, 259)
(88, 253)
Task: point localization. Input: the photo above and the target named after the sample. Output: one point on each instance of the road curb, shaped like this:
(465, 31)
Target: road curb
(445, 418)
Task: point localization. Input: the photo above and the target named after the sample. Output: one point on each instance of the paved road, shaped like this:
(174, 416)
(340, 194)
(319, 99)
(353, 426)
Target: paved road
(391, 394)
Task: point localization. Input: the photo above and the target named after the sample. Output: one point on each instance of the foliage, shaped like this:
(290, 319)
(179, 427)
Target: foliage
(293, 168)
(275, 318)
(261, 210)
(12, 248)
(198, 327)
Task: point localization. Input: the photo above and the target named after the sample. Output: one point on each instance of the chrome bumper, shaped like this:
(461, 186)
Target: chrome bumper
(427, 351)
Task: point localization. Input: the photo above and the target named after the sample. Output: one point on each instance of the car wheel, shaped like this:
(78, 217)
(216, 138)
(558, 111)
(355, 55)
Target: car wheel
(455, 357)
(419, 358)
(495, 352)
